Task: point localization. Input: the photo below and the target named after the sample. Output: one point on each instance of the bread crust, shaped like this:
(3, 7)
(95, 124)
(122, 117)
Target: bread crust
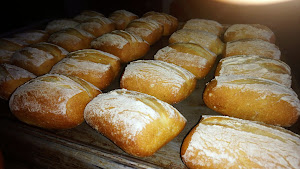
(226, 142)
(165, 81)
(122, 18)
(140, 127)
(51, 101)
(253, 99)
(205, 25)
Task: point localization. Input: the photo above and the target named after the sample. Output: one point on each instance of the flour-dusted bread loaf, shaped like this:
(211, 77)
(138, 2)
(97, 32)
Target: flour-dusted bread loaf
(252, 47)
(60, 24)
(72, 39)
(249, 31)
(11, 77)
(169, 22)
(52, 101)
(33, 36)
(165, 81)
(255, 66)
(125, 45)
(253, 99)
(203, 38)
(122, 18)
(226, 142)
(38, 58)
(148, 29)
(97, 67)
(192, 57)
(86, 15)
(97, 26)
(138, 123)
(211, 26)
(8, 46)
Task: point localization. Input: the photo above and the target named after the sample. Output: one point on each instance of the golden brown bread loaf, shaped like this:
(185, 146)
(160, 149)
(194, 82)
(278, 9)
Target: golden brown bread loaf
(255, 66)
(211, 26)
(253, 99)
(226, 142)
(122, 18)
(165, 81)
(60, 24)
(203, 38)
(38, 58)
(249, 31)
(11, 77)
(52, 101)
(33, 36)
(87, 14)
(252, 47)
(97, 67)
(125, 45)
(192, 57)
(72, 39)
(148, 29)
(8, 46)
(169, 22)
(97, 26)
(140, 127)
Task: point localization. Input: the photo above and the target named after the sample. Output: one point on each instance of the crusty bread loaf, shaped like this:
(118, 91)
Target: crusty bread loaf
(253, 99)
(38, 58)
(249, 31)
(33, 36)
(86, 15)
(148, 29)
(122, 18)
(192, 57)
(72, 39)
(255, 66)
(226, 142)
(140, 127)
(8, 46)
(52, 101)
(203, 38)
(97, 67)
(252, 47)
(169, 22)
(165, 81)
(97, 26)
(125, 45)
(60, 24)
(211, 26)
(11, 77)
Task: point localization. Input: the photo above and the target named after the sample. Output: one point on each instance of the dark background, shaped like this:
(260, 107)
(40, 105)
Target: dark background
(283, 18)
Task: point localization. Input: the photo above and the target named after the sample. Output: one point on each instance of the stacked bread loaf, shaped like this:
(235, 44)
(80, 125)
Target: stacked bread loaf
(57, 83)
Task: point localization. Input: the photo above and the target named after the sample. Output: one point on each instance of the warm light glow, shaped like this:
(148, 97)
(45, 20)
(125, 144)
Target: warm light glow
(253, 2)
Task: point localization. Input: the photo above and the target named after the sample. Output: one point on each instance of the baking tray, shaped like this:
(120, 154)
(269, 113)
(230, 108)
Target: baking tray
(83, 147)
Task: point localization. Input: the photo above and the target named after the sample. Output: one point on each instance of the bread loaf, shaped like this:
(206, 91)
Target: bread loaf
(86, 15)
(252, 47)
(140, 127)
(60, 24)
(211, 26)
(8, 46)
(122, 18)
(253, 99)
(33, 36)
(226, 142)
(72, 39)
(192, 57)
(125, 45)
(38, 58)
(97, 67)
(255, 66)
(249, 31)
(11, 77)
(169, 22)
(203, 38)
(165, 81)
(148, 29)
(52, 101)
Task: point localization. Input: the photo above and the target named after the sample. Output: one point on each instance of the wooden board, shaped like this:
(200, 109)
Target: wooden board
(83, 147)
